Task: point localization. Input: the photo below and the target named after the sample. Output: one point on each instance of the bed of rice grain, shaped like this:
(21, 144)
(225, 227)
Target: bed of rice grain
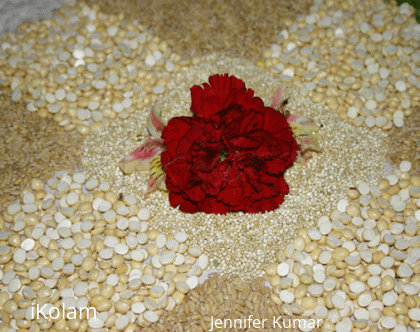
(220, 298)
(31, 147)
(404, 143)
(237, 28)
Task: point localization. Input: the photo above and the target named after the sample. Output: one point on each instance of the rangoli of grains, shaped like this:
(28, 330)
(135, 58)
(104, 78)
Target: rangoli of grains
(347, 256)
(239, 244)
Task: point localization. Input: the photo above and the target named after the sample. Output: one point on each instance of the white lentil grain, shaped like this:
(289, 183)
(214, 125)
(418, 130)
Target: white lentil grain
(388, 322)
(144, 214)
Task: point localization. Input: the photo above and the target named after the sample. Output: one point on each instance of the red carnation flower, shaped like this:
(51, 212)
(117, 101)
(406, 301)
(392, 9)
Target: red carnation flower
(232, 155)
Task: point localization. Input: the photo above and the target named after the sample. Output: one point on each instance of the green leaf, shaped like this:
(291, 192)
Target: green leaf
(215, 263)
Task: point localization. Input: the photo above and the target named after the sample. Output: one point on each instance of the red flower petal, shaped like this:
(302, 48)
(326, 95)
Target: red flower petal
(230, 195)
(232, 155)
(211, 205)
(184, 205)
(225, 82)
(216, 96)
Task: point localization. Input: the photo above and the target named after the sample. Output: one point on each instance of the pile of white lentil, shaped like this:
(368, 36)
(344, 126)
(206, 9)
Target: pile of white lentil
(359, 269)
(83, 68)
(360, 58)
(74, 242)
(242, 244)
